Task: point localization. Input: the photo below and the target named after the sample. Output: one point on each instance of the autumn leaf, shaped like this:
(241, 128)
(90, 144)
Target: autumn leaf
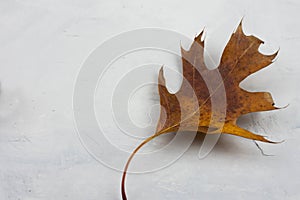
(211, 101)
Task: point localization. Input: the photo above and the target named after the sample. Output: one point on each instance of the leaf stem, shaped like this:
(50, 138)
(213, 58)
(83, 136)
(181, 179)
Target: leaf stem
(123, 192)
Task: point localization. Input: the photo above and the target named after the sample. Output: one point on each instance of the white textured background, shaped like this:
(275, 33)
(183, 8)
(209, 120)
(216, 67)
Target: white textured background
(42, 46)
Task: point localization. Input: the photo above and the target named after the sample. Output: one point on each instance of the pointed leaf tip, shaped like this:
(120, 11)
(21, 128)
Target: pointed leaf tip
(274, 55)
(239, 28)
(161, 78)
(199, 38)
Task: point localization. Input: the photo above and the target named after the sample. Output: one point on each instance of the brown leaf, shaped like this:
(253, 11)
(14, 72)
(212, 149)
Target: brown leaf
(211, 101)
(240, 59)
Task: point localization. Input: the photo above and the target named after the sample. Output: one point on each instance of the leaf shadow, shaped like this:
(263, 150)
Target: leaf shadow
(226, 145)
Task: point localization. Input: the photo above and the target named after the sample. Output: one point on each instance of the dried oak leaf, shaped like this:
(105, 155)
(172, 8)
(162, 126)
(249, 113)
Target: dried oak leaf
(240, 59)
(192, 108)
